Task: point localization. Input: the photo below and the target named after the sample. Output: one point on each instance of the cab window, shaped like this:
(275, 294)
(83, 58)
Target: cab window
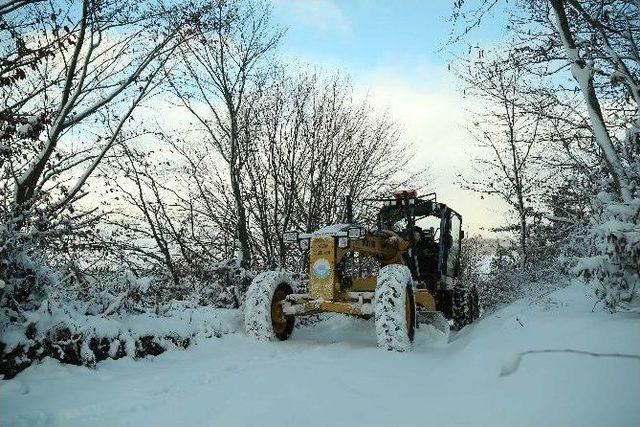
(454, 243)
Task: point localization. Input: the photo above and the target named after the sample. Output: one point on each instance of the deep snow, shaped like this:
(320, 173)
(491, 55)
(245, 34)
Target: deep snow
(332, 374)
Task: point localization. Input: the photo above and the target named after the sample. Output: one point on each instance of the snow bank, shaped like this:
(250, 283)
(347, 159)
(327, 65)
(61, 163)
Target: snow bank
(333, 374)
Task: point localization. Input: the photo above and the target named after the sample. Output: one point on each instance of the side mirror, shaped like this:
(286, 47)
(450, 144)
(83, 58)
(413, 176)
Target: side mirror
(461, 234)
(304, 244)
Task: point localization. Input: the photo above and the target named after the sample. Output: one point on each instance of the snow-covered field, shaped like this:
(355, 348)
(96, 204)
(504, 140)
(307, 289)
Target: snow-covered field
(331, 374)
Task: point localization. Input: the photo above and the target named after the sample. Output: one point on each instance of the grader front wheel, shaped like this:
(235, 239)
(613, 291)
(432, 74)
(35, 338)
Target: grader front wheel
(281, 323)
(395, 309)
(263, 316)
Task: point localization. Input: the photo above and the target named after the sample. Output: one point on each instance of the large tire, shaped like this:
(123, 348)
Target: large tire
(465, 306)
(263, 317)
(395, 309)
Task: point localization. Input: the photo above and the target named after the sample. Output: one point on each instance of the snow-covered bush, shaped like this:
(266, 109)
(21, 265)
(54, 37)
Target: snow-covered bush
(503, 282)
(220, 284)
(493, 268)
(475, 257)
(497, 271)
(613, 261)
(24, 274)
(63, 303)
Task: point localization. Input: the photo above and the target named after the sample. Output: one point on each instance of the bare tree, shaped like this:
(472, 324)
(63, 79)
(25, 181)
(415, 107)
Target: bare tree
(102, 60)
(220, 66)
(292, 120)
(614, 32)
(597, 43)
(72, 74)
(314, 144)
(149, 197)
(514, 138)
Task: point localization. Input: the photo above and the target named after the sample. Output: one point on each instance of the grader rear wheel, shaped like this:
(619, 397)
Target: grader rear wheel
(465, 306)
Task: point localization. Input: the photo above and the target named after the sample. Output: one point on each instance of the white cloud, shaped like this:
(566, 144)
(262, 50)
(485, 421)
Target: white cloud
(434, 115)
(321, 15)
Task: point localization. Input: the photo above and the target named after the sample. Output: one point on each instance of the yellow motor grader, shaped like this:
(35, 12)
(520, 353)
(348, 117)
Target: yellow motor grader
(410, 260)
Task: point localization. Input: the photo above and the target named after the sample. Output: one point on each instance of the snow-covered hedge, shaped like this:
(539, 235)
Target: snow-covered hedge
(58, 331)
(496, 271)
(24, 276)
(54, 305)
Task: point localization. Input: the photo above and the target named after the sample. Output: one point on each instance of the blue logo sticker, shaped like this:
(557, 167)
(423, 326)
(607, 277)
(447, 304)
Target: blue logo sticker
(321, 269)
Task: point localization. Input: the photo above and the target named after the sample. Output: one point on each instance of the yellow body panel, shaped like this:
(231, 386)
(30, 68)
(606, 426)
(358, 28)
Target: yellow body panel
(425, 300)
(363, 284)
(326, 293)
(322, 250)
(387, 248)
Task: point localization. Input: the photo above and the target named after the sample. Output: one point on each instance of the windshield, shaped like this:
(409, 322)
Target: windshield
(393, 219)
(429, 224)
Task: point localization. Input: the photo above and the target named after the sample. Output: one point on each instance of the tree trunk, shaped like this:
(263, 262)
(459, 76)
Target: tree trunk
(241, 221)
(583, 75)
(523, 238)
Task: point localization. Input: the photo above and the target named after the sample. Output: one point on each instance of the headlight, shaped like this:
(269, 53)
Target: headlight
(304, 244)
(343, 242)
(290, 236)
(355, 232)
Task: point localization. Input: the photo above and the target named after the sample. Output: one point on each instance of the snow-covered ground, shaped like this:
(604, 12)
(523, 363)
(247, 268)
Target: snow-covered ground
(331, 374)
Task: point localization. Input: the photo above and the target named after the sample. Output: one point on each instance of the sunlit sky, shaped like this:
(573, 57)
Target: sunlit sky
(397, 52)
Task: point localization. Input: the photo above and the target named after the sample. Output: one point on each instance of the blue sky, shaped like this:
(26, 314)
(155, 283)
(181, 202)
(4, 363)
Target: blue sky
(397, 52)
(361, 34)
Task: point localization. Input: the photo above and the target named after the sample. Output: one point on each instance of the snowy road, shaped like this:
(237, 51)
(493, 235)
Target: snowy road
(331, 374)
